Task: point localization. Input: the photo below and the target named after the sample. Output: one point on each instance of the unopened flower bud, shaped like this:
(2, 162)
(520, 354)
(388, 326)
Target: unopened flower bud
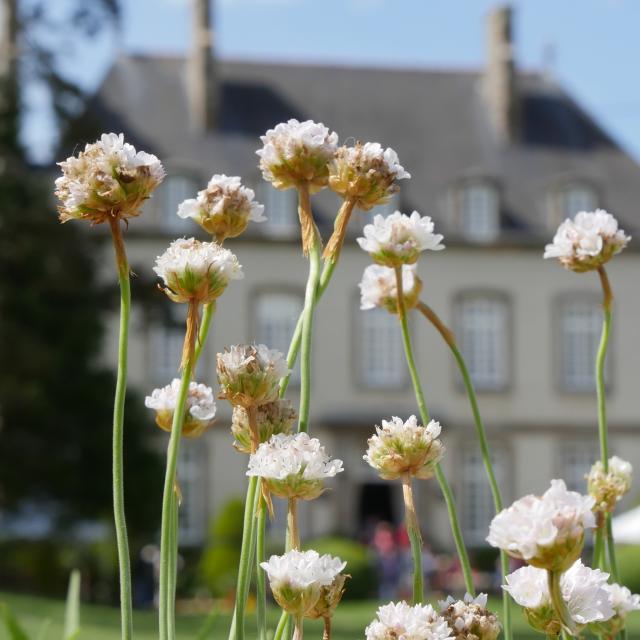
(470, 619)
(608, 488)
(400, 449)
(378, 288)
(329, 599)
(249, 375)
(200, 407)
(271, 418)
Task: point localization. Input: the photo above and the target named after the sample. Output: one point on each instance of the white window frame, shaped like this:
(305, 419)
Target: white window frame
(370, 353)
(574, 460)
(173, 190)
(479, 210)
(192, 515)
(167, 340)
(496, 375)
(571, 198)
(280, 210)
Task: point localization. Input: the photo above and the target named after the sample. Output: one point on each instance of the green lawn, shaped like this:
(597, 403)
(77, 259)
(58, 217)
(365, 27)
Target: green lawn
(102, 623)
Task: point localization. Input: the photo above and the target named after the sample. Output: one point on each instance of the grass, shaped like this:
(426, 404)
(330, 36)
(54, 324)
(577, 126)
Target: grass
(103, 623)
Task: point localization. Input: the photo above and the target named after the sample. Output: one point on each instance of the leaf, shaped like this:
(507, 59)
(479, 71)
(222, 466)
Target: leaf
(16, 632)
(72, 608)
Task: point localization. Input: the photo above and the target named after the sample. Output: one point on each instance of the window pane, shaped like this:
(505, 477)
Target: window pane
(280, 210)
(381, 353)
(577, 198)
(171, 193)
(193, 509)
(479, 215)
(276, 317)
(483, 334)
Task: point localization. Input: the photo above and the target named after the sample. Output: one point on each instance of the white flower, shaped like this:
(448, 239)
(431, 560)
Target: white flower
(297, 152)
(622, 600)
(224, 208)
(405, 448)
(200, 407)
(398, 239)
(608, 488)
(194, 270)
(297, 578)
(293, 466)
(400, 621)
(584, 591)
(547, 531)
(378, 287)
(250, 374)
(366, 173)
(469, 618)
(588, 241)
(109, 179)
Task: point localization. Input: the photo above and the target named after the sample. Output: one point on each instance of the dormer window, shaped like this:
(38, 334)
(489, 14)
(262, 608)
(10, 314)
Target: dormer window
(280, 210)
(173, 190)
(478, 211)
(569, 199)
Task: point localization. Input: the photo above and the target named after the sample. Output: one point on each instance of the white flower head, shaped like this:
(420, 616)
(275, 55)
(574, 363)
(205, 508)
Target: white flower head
(378, 288)
(271, 418)
(548, 531)
(224, 208)
(109, 179)
(469, 618)
(250, 374)
(366, 173)
(399, 239)
(293, 466)
(296, 153)
(196, 271)
(608, 488)
(297, 578)
(588, 241)
(401, 621)
(402, 448)
(200, 407)
(584, 591)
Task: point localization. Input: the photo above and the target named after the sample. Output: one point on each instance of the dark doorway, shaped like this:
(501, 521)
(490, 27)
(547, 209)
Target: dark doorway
(376, 503)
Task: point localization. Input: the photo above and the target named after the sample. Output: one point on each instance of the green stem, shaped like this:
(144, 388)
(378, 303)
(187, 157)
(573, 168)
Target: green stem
(205, 324)
(124, 562)
(450, 339)
(613, 565)
(282, 626)
(173, 565)
(292, 525)
(167, 541)
(261, 589)
(413, 530)
(424, 414)
(559, 605)
(598, 546)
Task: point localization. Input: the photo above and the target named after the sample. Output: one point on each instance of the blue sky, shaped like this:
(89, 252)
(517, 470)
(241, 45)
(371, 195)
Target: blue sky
(591, 46)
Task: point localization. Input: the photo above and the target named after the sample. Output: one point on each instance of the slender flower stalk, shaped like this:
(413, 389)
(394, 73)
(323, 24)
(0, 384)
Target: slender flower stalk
(261, 587)
(205, 324)
(449, 337)
(124, 561)
(413, 529)
(424, 414)
(555, 592)
(293, 535)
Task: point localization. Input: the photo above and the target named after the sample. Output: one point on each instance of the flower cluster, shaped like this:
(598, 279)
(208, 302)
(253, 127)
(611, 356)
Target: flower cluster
(584, 591)
(272, 418)
(293, 466)
(108, 180)
(400, 449)
(607, 488)
(224, 208)
(548, 531)
(469, 618)
(194, 271)
(366, 173)
(200, 407)
(378, 288)
(296, 153)
(403, 622)
(588, 241)
(297, 578)
(249, 375)
(399, 239)
(623, 602)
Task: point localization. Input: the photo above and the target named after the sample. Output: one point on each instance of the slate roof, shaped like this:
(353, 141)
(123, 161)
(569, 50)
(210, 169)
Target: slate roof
(437, 120)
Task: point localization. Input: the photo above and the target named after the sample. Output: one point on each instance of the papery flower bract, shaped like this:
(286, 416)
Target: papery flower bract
(109, 179)
(249, 375)
(400, 621)
(297, 577)
(405, 448)
(623, 602)
(293, 466)
(196, 271)
(271, 418)
(584, 591)
(608, 488)
(224, 208)
(469, 618)
(200, 407)
(378, 288)
(399, 239)
(329, 598)
(548, 531)
(366, 173)
(588, 241)
(296, 153)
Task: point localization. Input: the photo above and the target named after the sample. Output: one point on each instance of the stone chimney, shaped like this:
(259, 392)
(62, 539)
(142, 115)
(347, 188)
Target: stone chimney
(500, 81)
(201, 71)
